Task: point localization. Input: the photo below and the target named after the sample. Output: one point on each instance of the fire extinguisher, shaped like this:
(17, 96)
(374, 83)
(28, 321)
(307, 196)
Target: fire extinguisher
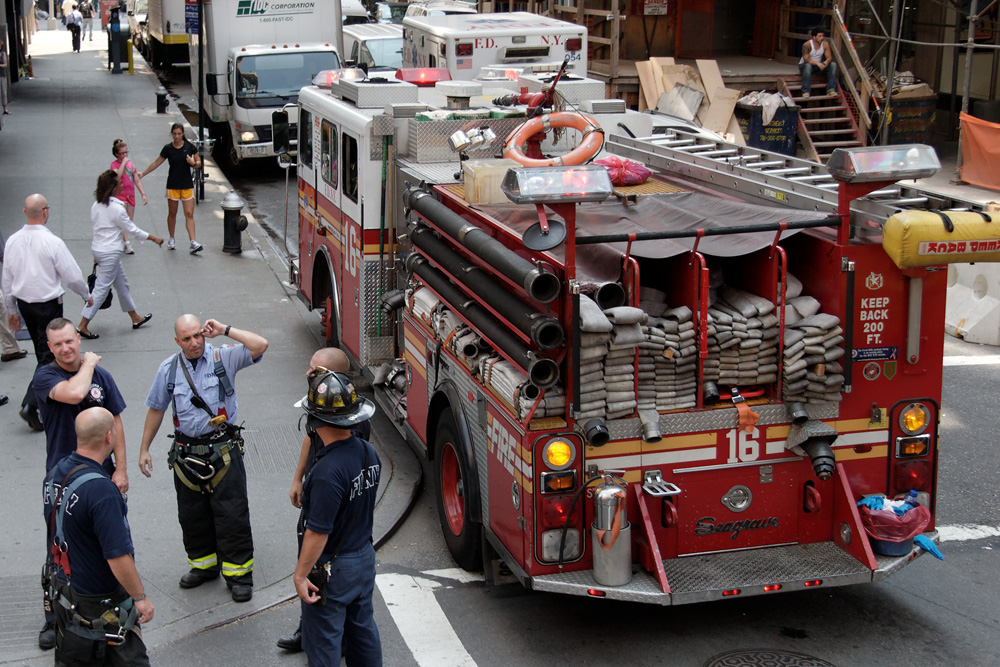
(611, 534)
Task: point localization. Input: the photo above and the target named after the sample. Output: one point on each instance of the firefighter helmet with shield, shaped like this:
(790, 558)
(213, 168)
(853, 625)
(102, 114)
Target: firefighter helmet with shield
(333, 399)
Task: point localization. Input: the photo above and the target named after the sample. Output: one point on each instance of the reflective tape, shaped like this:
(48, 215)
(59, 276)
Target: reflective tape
(205, 562)
(234, 570)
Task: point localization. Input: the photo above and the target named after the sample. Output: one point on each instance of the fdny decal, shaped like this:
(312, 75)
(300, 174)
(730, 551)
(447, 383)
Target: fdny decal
(502, 444)
(707, 526)
(874, 313)
(874, 281)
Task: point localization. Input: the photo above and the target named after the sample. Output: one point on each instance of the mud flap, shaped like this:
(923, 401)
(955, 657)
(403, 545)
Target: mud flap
(848, 532)
(649, 549)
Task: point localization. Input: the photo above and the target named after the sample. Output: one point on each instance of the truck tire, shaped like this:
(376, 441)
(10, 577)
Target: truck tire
(462, 535)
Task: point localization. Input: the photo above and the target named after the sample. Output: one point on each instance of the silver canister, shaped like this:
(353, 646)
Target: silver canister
(613, 557)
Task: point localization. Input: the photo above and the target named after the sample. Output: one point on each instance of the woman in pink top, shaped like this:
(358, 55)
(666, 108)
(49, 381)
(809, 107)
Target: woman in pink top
(129, 176)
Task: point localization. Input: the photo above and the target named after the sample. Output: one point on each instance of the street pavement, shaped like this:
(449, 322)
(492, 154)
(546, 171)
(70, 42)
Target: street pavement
(56, 142)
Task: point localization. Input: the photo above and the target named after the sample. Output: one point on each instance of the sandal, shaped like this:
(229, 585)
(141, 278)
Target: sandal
(88, 335)
(136, 325)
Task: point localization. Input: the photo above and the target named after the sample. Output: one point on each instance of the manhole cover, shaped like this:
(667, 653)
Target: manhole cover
(765, 658)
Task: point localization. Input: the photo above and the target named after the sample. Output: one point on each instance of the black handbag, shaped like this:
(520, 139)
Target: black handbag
(91, 279)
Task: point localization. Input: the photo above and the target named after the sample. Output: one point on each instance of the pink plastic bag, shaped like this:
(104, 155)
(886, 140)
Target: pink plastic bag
(889, 526)
(624, 172)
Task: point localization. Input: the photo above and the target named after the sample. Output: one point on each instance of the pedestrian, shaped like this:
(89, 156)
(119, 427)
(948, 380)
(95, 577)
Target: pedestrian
(87, 517)
(182, 157)
(64, 388)
(127, 171)
(74, 22)
(11, 350)
(87, 12)
(817, 54)
(207, 454)
(110, 221)
(4, 77)
(37, 263)
(333, 359)
(67, 7)
(335, 573)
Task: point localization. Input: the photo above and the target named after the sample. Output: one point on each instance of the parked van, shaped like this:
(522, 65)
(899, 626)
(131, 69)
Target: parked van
(375, 45)
(440, 8)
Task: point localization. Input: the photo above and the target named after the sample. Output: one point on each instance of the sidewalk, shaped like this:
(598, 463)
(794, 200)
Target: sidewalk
(56, 142)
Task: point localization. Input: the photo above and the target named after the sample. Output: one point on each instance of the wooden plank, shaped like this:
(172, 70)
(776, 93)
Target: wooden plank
(681, 101)
(711, 77)
(647, 84)
(658, 63)
(736, 132)
(720, 111)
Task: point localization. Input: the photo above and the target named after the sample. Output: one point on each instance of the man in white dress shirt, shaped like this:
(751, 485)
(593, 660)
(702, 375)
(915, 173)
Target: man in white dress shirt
(36, 264)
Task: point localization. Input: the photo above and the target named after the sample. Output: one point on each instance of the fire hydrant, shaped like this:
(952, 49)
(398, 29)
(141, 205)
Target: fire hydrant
(161, 100)
(233, 223)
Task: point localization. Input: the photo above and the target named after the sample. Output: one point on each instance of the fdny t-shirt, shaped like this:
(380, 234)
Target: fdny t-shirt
(59, 418)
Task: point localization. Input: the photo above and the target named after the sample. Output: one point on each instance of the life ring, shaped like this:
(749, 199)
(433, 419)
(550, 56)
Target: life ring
(593, 139)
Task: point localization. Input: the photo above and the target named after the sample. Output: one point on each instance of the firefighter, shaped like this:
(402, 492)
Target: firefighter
(207, 454)
(335, 573)
(96, 590)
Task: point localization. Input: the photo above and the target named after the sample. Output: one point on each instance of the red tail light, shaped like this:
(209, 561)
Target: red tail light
(442, 49)
(424, 76)
(462, 49)
(913, 474)
(555, 510)
(574, 44)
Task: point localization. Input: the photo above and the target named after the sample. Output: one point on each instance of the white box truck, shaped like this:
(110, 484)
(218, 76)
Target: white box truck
(167, 29)
(465, 43)
(257, 56)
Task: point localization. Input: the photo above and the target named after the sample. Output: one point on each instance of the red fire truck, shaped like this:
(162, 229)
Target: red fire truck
(672, 392)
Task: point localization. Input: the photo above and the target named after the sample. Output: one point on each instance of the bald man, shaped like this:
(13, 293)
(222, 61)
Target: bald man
(207, 454)
(331, 359)
(105, 583)
(36, 265)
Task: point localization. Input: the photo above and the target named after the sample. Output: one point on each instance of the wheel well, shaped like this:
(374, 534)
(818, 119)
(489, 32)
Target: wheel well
(322, 283)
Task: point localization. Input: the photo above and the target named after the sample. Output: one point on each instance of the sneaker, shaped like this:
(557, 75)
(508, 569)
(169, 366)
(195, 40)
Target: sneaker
(831, 93)
(805, 94)
(128, 249)
(196, 247)
(170, 243)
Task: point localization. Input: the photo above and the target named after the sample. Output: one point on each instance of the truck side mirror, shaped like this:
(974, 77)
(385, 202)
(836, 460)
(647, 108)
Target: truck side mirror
(279, 132)
(211, 84)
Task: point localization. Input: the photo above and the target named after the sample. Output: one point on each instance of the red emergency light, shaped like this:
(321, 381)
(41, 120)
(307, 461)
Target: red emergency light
(463, 49)
(574, 44)
(423, 76)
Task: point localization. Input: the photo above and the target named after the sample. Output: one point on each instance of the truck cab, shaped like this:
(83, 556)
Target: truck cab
(374, 45)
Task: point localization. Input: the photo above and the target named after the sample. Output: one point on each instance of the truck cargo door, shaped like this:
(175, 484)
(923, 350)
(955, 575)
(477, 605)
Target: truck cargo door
(350, 209)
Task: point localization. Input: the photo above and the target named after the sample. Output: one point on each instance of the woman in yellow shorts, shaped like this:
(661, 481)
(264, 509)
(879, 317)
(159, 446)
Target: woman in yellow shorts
(182, 156)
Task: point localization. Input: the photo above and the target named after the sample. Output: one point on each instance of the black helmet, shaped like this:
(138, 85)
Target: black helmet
(333, 399)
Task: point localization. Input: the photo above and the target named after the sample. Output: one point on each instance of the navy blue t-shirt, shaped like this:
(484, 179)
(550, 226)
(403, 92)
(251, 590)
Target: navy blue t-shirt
(59, 419)
(95, 528)
(335, 487)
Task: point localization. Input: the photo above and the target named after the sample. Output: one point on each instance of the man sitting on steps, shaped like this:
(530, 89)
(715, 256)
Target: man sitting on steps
(818, 55)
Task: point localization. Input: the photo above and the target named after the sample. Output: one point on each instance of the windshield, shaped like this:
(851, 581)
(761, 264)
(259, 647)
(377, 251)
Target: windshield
(266, 79)
(384, 53)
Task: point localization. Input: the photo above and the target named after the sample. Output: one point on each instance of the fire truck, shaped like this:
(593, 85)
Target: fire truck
(671, 392)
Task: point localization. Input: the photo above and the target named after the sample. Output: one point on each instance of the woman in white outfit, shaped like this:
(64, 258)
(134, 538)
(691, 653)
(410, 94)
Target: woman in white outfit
(110, 221)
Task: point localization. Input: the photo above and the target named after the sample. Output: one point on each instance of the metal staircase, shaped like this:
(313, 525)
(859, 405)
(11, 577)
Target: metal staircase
(825, 122)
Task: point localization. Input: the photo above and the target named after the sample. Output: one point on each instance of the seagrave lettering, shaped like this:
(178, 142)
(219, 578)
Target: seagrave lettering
(707, 526)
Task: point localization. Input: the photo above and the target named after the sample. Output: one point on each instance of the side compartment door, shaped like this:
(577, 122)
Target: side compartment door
(507, 481)
(328, 196)
(306, 173)
(352, 207)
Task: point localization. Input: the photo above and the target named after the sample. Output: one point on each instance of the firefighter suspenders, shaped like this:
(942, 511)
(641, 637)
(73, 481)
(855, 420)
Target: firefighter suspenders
(123, 615)
(209, 456)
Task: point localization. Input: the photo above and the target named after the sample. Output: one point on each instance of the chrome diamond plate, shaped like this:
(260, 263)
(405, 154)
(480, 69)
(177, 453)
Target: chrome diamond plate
(712, 420)
(428, 140)
(888, 565)
(642, 588)
(434, 173)
(374, 349)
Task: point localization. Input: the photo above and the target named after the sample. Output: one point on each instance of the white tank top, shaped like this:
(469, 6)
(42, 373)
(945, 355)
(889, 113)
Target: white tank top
(817, 55)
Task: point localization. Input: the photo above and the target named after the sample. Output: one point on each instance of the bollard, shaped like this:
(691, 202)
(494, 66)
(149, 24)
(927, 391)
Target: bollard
(161, 100)
(131, 61)
(232, 223)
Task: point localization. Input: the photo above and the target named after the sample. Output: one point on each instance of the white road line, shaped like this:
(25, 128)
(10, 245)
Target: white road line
(988, 360)
(421, 621)
(967, 532)
(455, 574)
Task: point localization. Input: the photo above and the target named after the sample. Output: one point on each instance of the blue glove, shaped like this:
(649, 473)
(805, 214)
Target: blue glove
(928, 545)
(872, 502)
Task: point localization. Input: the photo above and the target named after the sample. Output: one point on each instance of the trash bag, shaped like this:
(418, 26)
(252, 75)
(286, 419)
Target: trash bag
(624, 172)
(888, 526)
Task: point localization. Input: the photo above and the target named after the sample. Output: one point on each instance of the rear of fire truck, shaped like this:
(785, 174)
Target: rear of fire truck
(671, 392)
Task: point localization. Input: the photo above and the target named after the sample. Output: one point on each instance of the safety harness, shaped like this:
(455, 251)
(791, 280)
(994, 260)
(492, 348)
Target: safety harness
(99, 621)
(201, 463)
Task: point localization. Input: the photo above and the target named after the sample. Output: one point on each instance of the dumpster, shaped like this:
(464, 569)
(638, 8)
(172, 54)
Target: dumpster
(912, 119)
(778, 135)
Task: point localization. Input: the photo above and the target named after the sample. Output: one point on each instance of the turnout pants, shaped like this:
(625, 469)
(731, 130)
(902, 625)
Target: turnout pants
(216, 525)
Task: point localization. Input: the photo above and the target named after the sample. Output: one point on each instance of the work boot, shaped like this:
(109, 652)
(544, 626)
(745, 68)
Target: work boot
(241, 592)
(47, 637)
(293, 643)
(31, 416)
(196, 578)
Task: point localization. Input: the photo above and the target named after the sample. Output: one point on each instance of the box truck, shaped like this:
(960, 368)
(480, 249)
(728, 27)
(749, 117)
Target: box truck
(257, 56)
(166, 28)
(465, 43)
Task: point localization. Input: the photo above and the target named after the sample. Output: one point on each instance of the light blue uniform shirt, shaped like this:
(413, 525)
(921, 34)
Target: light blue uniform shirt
(190, 420)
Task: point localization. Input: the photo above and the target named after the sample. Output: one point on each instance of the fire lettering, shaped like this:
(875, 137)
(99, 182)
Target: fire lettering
(503, 445)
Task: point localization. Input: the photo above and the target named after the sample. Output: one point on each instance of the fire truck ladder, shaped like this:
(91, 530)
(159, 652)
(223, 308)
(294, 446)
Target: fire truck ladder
(768, 178)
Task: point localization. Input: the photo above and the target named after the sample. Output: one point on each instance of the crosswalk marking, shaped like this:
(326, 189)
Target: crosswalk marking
(421, 621)
(986, 360)
(967, 532)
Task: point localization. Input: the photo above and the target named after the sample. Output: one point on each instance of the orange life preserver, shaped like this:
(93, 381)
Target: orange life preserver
(593, 139)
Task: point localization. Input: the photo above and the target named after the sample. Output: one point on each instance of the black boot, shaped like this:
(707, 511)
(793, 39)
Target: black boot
(292, 644)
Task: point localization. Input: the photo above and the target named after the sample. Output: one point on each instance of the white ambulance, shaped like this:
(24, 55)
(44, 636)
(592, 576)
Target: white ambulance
(465, 43)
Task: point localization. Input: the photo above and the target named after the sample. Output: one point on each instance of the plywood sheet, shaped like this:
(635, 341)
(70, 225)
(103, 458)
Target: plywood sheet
(720, 111)
(648, 83)
(711, 77)
(681, 101)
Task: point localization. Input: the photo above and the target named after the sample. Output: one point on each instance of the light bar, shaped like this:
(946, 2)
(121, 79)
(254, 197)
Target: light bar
(538, 185)
(423, 76)
(328, 77)
(883, 163)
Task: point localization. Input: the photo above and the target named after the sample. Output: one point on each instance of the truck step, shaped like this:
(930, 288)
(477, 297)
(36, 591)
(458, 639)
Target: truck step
(705, 577)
